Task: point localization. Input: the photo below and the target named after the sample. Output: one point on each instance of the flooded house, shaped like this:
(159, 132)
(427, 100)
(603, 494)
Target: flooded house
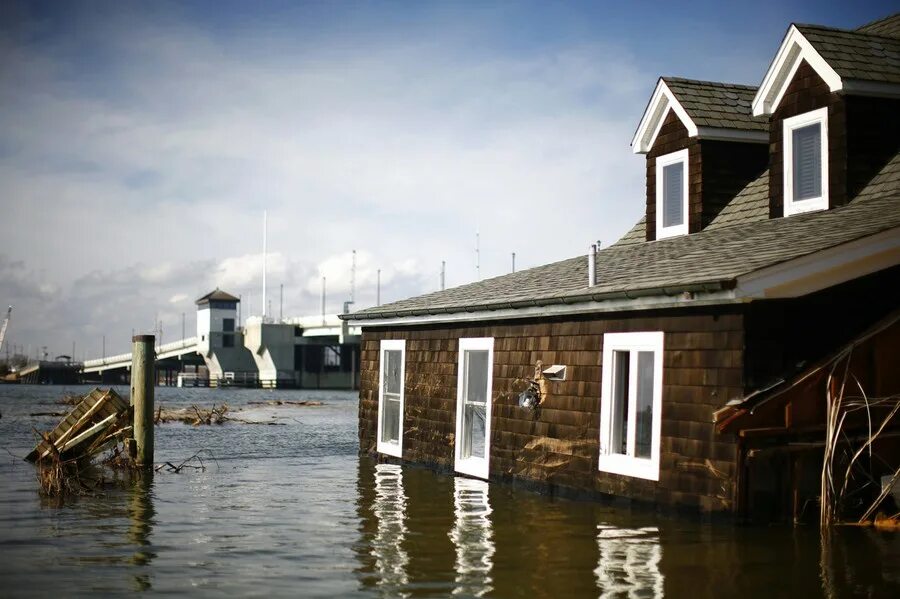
(692, 363)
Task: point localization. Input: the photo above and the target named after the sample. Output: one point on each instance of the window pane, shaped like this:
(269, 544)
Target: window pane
(390, 424)
(393, 361)
(643, 433)
(619, 433)
(474, 403)
(673, 190)
(807, 150)
(473, 431)
(476, 376)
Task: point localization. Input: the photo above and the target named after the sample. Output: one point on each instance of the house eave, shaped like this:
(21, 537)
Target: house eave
(680, 296)
(794, 49)
(654, 116)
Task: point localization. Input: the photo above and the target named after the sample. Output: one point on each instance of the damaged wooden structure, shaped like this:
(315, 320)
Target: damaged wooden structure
(99, 419)
(769, 244)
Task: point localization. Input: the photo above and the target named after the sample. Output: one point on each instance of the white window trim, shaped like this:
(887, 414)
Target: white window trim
(477, 467)
(617, 463)
(662, 162)
(392, 449)
(795, 122)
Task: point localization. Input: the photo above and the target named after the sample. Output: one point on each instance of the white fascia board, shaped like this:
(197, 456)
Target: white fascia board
(823, 269)
(655, 114)
(794, 49)
(592, 307)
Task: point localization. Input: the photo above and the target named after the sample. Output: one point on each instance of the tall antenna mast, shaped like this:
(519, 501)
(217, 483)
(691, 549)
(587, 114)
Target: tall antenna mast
(353, 279)
(265, 257)
(477, 255)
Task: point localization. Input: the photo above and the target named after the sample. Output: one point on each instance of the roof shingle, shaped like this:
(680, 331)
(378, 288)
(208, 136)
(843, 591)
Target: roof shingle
(855, 54)
(713, 104)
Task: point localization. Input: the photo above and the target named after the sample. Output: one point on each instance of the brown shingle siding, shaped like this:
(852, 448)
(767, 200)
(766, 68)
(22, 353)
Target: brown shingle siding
(559, 444)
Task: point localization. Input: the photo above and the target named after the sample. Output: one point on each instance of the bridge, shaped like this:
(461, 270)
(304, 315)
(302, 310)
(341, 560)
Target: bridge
(176, 349)
(309, 352)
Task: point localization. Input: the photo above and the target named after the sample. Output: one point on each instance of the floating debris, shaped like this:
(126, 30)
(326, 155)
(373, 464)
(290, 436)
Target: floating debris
(284, 402)
(100, 420)
(97, 420)
(193, 415)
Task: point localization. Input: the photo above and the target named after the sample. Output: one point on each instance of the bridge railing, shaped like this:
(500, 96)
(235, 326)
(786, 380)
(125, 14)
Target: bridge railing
(119, 359)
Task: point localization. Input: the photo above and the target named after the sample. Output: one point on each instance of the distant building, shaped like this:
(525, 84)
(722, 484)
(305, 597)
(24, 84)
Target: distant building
(220, 340)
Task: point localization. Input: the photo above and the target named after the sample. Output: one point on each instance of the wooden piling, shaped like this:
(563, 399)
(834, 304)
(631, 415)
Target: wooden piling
(142, 389)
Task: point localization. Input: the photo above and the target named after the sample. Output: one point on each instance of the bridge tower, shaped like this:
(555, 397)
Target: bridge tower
(219, 337)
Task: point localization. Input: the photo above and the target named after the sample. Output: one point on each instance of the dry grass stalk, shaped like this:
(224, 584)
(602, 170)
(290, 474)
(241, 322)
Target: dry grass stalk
(833, 502)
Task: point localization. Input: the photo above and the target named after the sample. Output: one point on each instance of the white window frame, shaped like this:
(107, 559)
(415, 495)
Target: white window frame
(392, 449)
(662, 162)
(624, 464)
(791, 207)
(474, 466)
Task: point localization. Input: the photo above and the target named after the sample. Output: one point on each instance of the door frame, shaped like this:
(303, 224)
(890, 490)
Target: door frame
(477, 467)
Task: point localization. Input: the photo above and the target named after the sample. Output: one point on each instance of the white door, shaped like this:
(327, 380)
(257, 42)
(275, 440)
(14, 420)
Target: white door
(473, 406)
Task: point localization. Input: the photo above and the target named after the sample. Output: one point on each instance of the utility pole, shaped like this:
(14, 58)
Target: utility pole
(443, 273)
(104, 347)
(514, 262)
(378, 289)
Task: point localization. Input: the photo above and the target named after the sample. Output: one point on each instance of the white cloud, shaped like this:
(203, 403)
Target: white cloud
(150, 186)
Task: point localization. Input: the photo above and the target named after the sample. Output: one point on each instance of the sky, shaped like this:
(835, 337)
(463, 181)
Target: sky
(140, 144)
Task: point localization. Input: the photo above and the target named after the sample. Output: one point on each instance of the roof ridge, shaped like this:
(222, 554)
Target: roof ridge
(877, 21)
(843, 30)
(668, 78)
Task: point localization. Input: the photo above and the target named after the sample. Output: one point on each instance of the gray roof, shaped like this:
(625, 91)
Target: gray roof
(888, 26)
(217, 295)
(749, 205)
(856, 55)
(637, 234)
(713, 104)
(711, 259)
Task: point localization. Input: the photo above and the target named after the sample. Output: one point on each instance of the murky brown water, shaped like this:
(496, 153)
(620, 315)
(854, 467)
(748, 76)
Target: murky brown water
(292, 511)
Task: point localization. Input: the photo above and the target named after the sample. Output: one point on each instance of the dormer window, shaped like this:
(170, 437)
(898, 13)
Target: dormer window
(672, 194)
(806, 162)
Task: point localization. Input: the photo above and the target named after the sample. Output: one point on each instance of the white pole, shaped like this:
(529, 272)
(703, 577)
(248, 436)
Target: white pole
(353, 279)
(514, 262)
(323, 301)
(265, 257)
(592, 270)
(443, 274)
(378, 290)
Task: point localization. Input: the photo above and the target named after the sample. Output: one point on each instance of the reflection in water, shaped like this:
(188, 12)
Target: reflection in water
(472, 535)
(629, 562)
(389, 510)
(141, 515)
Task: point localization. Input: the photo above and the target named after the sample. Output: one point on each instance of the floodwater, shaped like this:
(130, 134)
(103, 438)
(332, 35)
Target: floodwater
(291, 510)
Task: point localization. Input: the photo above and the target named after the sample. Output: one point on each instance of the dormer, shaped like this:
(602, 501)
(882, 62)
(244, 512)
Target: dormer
(703, 146)
(832, 98)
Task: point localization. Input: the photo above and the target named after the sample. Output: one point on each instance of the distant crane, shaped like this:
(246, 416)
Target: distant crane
(5, 324)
